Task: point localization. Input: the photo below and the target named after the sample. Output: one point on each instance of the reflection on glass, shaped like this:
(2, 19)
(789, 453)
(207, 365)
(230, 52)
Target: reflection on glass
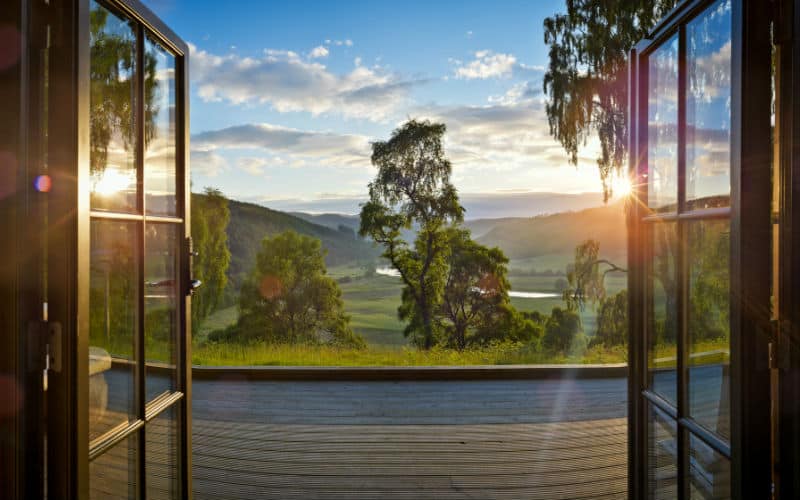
(709, 472)
(662, 456)
(112, 475)
(663, 315)
(161, 456)
(161, 307)
(708, 316)
(708, 108)
(662, 147)
(112, 101)
(159, 109)
(114, 288)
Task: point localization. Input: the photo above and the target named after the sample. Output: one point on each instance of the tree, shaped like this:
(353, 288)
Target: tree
(210, 217)
(612, 320)
(585, 282)
(561, 330)
(413, 188)
(113, 63)
(476, 291)
(586, 79)
(289, 298)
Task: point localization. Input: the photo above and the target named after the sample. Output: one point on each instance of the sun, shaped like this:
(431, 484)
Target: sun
(621, 186)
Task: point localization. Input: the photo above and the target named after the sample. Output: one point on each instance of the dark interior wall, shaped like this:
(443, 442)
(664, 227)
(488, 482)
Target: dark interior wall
(11, 156)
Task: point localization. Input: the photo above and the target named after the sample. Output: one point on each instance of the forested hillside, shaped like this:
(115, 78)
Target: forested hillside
(250, 223)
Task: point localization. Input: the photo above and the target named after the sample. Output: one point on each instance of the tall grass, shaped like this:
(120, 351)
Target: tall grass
(262, 354)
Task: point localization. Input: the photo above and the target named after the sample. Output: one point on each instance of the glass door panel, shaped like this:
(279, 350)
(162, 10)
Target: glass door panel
(160, 139)
(113, 475)
(709, 472)
(662, 455)
(113, 324)
(112, 117)
(709, 327)
(686, 271)
(708, 108)
(662, 157)
(162, 450)
(138, 336)
(161, 328)
(662, 328)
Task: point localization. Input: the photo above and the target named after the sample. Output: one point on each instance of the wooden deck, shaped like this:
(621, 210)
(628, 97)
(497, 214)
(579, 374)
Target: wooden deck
(514, 439)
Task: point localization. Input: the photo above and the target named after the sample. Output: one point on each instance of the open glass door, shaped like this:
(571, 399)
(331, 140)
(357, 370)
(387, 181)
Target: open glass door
(700, 255)
(137, 371)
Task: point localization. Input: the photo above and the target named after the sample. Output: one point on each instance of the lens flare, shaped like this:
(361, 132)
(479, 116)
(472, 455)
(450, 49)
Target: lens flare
(621, 186)
(43, 183)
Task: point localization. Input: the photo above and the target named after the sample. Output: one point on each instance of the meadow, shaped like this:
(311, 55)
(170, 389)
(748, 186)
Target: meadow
(371, 300)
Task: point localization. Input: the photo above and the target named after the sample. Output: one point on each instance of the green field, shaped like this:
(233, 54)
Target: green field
(372, 303)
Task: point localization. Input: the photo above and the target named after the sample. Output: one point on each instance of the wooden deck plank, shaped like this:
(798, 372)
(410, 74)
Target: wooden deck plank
(539, 439)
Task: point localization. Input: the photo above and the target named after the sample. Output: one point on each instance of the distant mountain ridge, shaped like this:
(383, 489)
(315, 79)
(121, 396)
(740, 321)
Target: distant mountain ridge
(530, 237)
(477, 205)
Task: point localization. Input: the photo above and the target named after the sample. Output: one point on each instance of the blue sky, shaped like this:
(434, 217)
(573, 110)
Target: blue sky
(286, 96)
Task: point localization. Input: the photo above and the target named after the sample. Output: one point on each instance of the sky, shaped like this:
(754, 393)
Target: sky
(287, 96)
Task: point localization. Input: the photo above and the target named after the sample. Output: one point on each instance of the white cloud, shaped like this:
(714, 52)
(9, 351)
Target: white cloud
(288, 83)
(299, 146)
(318, 52)
(486, 64)
(253, 166)
(207, 163)
(510, 134)
(339, 43)
(518, 93)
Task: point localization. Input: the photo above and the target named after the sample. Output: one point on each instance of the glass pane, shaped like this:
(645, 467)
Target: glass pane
(662, 148)
(113, 304)
(159, 125)
(112, 475)
(662, 456)
(708, 108)
(161, 307)
(709, 472)
(709, 324)
(161, 456)
(112, 100)
(663, 313)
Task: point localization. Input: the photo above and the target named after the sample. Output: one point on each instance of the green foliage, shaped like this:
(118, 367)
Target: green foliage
(612, 320)
(562, 330)
(475, 306)
(586, 79)
(413, 188)
(210, 218)
(250, 223)
(585, 282)
(288, 297)
(709, 280)
(113, 62)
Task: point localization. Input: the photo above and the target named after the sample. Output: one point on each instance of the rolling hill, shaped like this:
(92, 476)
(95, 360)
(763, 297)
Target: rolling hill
(545, 241)
(559, 234)
(250, 223)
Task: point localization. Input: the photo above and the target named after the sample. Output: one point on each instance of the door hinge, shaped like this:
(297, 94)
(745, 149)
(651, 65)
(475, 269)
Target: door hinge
(45, 352)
